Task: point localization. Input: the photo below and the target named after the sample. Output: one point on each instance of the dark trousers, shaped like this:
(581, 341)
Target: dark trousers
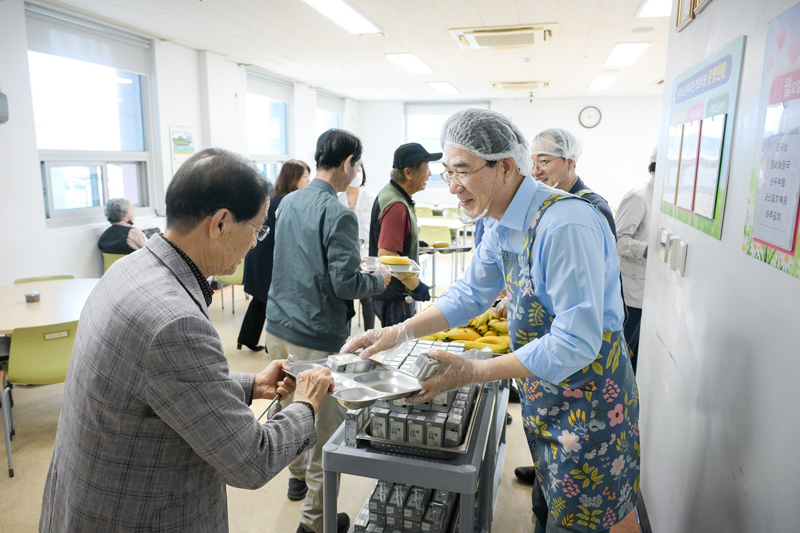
(542, 514)
(367, 313)
(632, 326)
(253, 323)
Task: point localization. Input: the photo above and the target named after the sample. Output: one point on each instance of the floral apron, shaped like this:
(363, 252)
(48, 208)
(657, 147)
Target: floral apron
(583, 433)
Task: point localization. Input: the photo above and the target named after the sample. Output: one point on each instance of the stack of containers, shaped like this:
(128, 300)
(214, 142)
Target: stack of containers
(397, 508)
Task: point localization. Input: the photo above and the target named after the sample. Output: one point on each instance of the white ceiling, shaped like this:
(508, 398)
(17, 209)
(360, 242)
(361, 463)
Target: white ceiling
(292, 40)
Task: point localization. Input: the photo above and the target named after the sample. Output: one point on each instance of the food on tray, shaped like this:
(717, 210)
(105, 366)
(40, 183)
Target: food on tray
(441, 244)
(394, 260)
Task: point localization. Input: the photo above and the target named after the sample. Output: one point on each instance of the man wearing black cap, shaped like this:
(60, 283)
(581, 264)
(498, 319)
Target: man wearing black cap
(394, 231)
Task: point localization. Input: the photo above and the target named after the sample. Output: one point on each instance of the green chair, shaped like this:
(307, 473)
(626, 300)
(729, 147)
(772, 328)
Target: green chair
(37, 356)
(432, 234)
(42, 278)
(110, 259)
(237, 278)
(423, 212)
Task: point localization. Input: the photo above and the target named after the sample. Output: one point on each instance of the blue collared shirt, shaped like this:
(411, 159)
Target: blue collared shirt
(574, 275)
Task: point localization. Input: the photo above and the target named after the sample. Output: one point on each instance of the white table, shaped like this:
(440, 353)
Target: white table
(61, 301)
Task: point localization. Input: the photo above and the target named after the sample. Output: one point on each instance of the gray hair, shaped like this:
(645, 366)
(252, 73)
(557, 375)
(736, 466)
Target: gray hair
(116, 209)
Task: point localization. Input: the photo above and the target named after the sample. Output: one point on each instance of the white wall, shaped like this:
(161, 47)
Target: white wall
(616, 152)
(719, 347)
(615, 157)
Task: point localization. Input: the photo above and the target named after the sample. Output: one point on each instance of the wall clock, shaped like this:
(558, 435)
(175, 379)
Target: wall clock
(589, 117)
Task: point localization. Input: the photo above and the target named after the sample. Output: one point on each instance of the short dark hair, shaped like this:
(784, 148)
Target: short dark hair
(116, 209)
(335, 146)
(289, 176)
(652, 167)
(363, 175)
(211, 180)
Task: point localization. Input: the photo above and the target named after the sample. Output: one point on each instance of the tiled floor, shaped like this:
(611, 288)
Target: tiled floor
(266, 510)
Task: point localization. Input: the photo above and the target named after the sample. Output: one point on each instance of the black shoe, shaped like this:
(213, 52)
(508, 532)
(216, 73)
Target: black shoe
(297, 489)
(256, 348)
(526, 474)
(513, 395)
(509, 418)
(342, 524)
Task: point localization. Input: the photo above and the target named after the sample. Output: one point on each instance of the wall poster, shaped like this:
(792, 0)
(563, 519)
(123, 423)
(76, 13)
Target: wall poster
(707, 91)
(770, 232)
(181, 140)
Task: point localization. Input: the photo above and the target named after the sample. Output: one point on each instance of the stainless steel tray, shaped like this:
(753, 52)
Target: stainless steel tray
(405, 270)
(423, 450)
(448, 250)
(363, 389)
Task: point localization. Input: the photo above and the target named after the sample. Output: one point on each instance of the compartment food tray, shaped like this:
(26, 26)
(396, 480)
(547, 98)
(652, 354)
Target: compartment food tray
(362, 389)
(448, 250)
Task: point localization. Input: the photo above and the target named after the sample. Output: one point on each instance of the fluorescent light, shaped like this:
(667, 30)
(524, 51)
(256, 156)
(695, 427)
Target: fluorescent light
(410, 63)
(602, 83)
(124, 80)
(655, 8)
(625, 54)
(443, 87)
(342, 14)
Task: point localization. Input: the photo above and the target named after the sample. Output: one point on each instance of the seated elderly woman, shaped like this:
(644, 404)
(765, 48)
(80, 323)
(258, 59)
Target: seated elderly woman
(154, 425)
(121, 237)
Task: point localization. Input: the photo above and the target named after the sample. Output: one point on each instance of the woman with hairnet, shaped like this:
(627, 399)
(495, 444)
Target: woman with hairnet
(556, 257)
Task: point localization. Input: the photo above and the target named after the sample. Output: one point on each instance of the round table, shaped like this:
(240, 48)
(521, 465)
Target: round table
(61, 301)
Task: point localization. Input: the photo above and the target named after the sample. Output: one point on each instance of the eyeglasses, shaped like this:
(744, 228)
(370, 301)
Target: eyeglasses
(263, 231)
(460, 179)
(542, 164)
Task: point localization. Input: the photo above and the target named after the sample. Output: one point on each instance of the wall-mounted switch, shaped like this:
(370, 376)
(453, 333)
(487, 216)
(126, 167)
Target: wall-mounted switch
(683, 247)
(664, 237)
(672, 254)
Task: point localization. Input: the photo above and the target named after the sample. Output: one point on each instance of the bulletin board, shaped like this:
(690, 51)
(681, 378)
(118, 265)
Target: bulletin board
(702, 111)
(770, 233)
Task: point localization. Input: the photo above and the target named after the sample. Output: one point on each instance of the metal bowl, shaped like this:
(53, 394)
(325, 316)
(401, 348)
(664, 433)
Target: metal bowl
(356, 397)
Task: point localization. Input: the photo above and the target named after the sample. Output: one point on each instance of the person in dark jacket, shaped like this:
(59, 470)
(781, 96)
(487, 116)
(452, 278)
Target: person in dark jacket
(294, 174)
(121, 237)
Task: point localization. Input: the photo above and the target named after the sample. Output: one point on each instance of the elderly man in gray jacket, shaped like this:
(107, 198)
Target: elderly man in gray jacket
(154, 425)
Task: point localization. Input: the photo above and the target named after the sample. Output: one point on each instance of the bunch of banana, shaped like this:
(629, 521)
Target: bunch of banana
(485, 330)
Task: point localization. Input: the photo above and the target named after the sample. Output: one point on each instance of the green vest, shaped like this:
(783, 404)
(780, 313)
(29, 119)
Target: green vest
(390, 195)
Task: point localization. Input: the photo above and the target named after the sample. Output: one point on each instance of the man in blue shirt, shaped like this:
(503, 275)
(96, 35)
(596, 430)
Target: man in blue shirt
(556, 257)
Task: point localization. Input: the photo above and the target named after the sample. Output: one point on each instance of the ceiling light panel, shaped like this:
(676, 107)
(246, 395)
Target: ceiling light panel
(443, 87)
(344, 15)
(655, 8)
(410, 63)
(601, 83)
(625, 54)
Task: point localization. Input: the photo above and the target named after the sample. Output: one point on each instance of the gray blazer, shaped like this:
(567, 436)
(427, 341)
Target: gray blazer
(153, 423)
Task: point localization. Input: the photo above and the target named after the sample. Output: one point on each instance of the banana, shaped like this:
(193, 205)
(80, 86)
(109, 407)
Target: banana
(439, 336)
(499, 325)
(493, 340)
(428, 338)
(441, 244)
(474, 345)
(483, 318)
(483, 330)
(465, 334)
(394, 260)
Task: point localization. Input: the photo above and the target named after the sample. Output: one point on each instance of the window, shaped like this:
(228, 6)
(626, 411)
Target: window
(330, 109)
(89, 89)
(424, 125)
(268, 101)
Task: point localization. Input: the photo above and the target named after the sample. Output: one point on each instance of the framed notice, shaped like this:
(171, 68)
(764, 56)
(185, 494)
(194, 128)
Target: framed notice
(712, 135)
(685, 14)
(181, 145)
(691, 139)
(673, 164)
(706, 91)
(770, 232)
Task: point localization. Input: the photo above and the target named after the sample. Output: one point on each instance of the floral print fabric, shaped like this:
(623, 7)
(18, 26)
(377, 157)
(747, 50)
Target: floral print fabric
(583, 433)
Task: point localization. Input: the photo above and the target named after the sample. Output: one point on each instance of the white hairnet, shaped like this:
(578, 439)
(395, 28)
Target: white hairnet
(558, 143)
(488, 135)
